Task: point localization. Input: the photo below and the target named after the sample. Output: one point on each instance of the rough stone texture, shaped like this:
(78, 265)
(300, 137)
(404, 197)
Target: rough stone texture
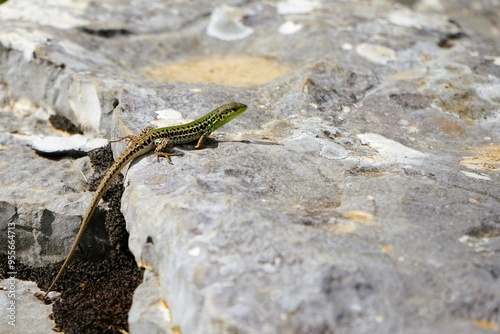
(358, 194)
(26, 314)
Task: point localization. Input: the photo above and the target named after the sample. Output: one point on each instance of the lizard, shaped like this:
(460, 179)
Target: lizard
(161, 140)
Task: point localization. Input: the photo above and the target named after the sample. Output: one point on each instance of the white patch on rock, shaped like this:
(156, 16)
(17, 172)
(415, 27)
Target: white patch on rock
(53, 13)
(168, 114)
(376, 53)
(168, 117)
(389, 150)
(413, 19)
(52, 144)
(195, 251)
(225, 24)
(480, 245)
(347, 46)
(84, 101)
(26, 42)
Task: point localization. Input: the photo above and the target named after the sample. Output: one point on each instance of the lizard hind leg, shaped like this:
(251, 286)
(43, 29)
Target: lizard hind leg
(164, 149)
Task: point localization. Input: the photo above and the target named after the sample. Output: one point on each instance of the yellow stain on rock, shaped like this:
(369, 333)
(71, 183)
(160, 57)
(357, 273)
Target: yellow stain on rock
(483, 158)
(360, 216)
(235, 71)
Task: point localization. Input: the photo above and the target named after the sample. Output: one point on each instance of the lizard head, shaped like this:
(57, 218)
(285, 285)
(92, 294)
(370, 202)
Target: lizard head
(226, 113)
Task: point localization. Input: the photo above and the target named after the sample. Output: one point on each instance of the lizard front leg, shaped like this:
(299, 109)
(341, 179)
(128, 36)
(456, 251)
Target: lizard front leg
(164, 150)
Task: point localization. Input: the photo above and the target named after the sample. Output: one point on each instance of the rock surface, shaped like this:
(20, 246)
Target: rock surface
(21, 311)
(358, 194)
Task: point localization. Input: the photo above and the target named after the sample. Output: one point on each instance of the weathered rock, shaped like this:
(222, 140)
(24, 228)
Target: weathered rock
(22, 311)
(358, 194)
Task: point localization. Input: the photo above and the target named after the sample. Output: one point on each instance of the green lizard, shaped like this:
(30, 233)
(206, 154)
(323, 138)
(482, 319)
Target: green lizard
(163, 139)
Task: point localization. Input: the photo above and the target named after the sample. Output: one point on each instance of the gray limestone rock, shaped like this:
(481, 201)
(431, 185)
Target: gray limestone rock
(360, 192)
